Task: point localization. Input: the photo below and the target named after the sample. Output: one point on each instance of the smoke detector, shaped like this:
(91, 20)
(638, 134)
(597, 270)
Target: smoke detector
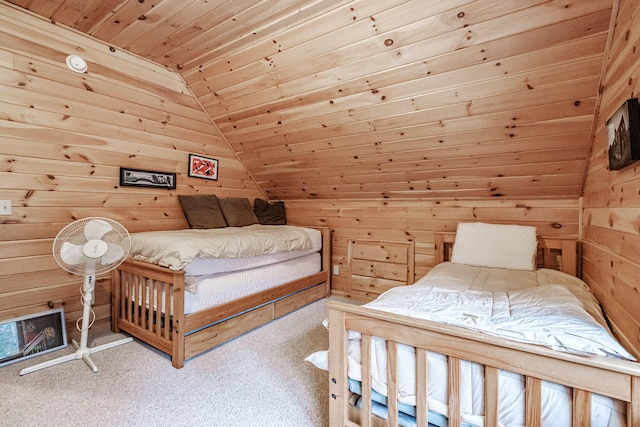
(76, 63)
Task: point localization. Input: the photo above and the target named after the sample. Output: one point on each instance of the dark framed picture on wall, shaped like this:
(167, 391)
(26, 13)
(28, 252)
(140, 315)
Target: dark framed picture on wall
(203, 167)
(623, 132)
(144, 178)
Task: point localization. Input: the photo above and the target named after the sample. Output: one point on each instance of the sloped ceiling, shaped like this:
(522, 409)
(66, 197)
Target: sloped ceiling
(379, 98)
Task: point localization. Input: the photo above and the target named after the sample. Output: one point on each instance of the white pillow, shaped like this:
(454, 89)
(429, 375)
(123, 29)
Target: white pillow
(495, 245)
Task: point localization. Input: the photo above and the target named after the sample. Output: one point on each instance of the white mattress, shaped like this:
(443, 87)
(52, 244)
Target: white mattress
(202, 266)
(218, 288)
(556, 399)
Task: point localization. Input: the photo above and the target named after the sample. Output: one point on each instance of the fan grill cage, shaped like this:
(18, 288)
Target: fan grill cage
(74, 233)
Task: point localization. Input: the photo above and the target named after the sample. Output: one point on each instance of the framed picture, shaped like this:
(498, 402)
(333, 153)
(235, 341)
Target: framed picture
(623, 130)
(29, 336)
(142, 178)
(203, 167)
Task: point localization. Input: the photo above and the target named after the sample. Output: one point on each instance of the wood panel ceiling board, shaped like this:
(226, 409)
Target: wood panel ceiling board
(428, 174)
(119, 19)
(427, 168)
(352, 80)
(146, 24)
(156, 37)
(418, 94)
(408, 139)
(258, 40)
(224, 69)
(440, 184)
(371, 55)
(543, 104)
(465, 155)
(418, 136)
(417, 31)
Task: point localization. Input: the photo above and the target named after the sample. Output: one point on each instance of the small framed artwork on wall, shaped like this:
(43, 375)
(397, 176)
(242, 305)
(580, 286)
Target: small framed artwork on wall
(203, 167)
(623, 130)
(144, 178)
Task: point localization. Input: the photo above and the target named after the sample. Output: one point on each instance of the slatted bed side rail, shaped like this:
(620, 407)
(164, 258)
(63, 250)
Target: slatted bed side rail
(148, 302)
(584, 375)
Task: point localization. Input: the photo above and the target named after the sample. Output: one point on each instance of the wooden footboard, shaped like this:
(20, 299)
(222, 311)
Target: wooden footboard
(584, 375)
(148, 303)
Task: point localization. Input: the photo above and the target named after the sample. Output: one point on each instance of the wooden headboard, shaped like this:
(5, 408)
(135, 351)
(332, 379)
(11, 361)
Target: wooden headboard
(559, 254)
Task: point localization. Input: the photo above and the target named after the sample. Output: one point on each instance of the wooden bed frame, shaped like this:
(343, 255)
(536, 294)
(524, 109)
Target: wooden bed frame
(618, 379)
(183, 336)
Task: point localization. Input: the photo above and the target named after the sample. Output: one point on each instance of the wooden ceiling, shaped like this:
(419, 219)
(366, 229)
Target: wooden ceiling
(380, 98)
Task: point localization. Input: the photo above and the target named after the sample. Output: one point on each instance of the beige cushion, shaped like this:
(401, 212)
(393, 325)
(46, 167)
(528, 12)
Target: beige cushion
(495, 245)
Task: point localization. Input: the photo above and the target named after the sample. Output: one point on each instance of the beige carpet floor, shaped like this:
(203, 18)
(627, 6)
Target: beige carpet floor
(258, 379)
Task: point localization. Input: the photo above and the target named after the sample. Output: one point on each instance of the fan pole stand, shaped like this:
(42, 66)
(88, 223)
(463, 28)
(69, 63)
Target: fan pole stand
(82, 350)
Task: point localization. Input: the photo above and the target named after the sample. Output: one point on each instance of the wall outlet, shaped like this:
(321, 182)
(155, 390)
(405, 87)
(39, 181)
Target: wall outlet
(336, 269)
(5, 207)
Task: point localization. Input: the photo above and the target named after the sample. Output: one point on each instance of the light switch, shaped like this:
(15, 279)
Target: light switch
(5, 207)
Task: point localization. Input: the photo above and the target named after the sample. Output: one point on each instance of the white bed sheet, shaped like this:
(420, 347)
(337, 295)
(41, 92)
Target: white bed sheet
(219, 288)
(201, 266)
(556, 399)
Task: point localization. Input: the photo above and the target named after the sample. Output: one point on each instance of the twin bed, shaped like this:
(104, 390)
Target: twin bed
(484, 339)
(187, 291)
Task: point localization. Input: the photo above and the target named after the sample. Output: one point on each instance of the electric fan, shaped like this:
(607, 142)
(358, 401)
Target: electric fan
(88, 246)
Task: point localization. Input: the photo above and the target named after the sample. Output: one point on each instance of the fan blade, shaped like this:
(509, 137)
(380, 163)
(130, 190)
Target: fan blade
(96, 228)
(114, 254)
(71, 254)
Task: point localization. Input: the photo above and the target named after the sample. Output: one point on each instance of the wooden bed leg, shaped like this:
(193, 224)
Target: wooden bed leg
(177, 352)
(326, 258)
(115, 300)
(633, 408)
(178, 348)
(338, 387)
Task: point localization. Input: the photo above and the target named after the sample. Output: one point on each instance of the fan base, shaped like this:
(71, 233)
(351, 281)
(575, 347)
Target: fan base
(80, 353)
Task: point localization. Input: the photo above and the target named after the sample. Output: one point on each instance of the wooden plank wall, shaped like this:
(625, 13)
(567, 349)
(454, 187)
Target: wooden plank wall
(63, 137)
(416, 221)
(611, 262)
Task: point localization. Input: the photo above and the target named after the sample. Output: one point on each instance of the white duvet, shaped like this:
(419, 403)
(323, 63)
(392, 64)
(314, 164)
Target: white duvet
(544, 307)
(548, 315)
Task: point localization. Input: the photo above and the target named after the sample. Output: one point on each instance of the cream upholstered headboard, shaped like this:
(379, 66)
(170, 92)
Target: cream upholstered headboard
(559, 254)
